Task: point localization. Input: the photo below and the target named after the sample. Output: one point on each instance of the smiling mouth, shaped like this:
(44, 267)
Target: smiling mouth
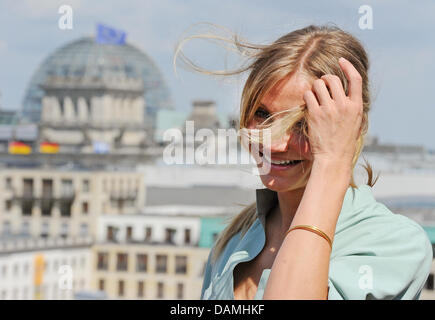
(281, 163)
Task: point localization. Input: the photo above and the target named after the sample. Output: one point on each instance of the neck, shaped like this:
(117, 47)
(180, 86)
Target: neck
(288, 203)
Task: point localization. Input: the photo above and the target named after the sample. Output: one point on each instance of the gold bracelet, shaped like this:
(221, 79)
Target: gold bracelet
(312, 229)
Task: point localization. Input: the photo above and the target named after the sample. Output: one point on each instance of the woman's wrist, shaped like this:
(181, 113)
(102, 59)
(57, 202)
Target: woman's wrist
(323, 196)
(332, 171)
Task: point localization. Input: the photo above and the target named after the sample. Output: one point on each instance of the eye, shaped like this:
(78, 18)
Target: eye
(298, 124)
(261, 113)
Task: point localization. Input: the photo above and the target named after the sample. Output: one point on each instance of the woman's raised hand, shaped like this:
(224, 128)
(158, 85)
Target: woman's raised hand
(334, 120)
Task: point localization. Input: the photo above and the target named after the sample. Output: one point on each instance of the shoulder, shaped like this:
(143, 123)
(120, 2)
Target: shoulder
(392, 249)
(376, 228)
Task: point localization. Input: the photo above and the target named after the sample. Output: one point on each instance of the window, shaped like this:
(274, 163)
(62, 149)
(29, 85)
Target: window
(64, 230)
(67, 190)
(28, 188)
(82, 284)
(6, 228)
(140, 289)
(8, 205)
(161, 263)
(103, 261)
(121, 288)
(45, 229)
(8, 183)
(4, 270)
(27, 202)
(85, 185)
(85, 207)
(169, 235)
(121, 262)
(148, 234)
(187, 236)
(129, 234)
(67, 197)
(111, 233)
(160, 289)
(15, 269)
(25, 268)
(47, 197)
(429, 282)
(25, 228)
(83, 230)
(101, 284)
(47, 188)
(65, 208)
(141, 262)
(26, 208)
(180, 290)
(180, 264)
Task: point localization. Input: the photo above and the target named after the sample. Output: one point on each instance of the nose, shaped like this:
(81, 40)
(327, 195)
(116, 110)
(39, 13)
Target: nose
(281, 144)
(290, 140)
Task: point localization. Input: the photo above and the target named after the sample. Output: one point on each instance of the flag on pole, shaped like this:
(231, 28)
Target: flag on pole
(49, 147)
(16, 147)
(38, 267)
(101, 147)
(108, 35)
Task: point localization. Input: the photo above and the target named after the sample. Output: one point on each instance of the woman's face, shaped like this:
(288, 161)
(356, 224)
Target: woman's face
(286, 94)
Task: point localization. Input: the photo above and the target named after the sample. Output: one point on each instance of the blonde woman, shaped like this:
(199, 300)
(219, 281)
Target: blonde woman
(312, 233)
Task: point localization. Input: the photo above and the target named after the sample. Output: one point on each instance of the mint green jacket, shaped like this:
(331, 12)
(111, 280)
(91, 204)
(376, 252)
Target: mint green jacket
(376, 254)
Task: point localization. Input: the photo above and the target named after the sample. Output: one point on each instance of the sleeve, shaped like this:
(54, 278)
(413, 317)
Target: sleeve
(207, 275)
(381, 261)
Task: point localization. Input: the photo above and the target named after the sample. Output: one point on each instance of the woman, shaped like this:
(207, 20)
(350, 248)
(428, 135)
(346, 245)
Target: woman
(312, 233)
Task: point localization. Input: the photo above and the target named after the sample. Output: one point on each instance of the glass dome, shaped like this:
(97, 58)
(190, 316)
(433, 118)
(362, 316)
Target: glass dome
(87, 58)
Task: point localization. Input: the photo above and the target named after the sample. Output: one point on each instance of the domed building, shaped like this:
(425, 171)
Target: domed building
(89, 94)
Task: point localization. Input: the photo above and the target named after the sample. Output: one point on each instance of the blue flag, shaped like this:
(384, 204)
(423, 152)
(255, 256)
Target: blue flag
(101, 147)
(107, 35)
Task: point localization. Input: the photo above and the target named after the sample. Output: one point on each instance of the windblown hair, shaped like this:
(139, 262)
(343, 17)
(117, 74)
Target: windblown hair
(312, 51)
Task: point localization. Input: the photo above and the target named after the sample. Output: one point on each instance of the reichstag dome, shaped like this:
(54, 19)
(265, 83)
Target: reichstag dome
(86, 58)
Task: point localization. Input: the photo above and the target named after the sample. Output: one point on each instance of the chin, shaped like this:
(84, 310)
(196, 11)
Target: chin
(281, 183)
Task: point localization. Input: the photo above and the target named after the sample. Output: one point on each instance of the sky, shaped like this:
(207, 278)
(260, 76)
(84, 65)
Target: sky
(401, 48)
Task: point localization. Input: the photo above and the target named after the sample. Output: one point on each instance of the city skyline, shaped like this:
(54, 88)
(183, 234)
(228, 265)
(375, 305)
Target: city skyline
(399, 52)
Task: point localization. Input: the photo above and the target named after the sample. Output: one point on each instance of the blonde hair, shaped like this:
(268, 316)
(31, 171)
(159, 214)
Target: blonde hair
(313, 51)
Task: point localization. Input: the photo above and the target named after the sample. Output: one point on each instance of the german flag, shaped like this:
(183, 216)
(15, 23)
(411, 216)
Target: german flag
(49, 147)
(16, 147)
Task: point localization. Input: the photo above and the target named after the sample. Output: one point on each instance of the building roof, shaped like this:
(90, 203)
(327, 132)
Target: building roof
(204, 195)
(25, 132)
(85, 58)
